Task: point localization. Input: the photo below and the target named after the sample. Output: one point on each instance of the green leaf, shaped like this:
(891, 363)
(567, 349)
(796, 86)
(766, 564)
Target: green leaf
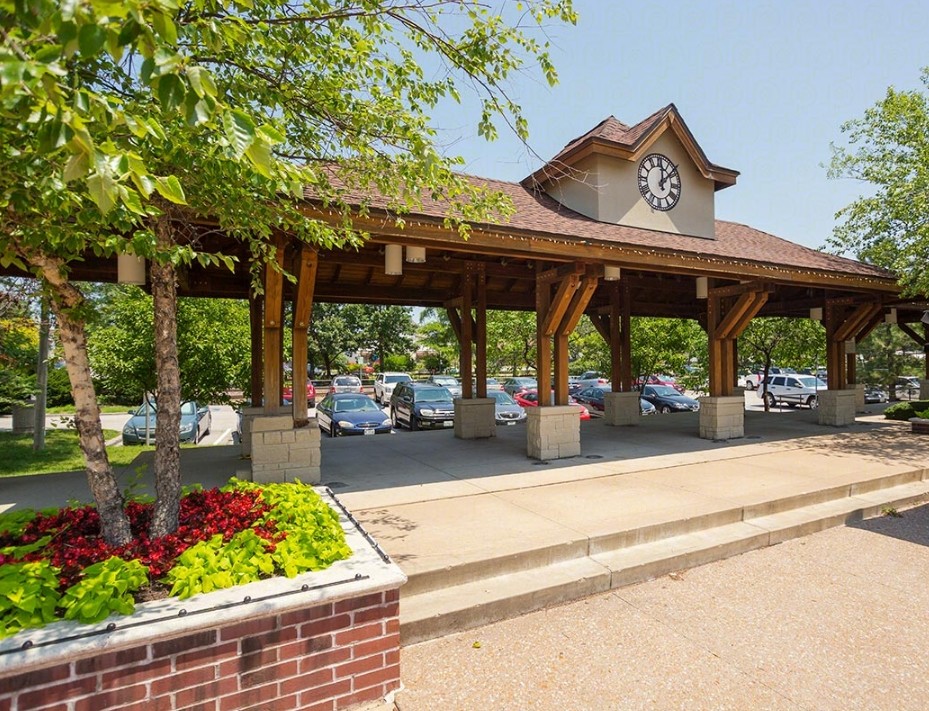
(170, 91)
(165, 27)
(103, 191)
(77, 167)
(259, 153)
(240, 131)
(90, 39)
(170, 189)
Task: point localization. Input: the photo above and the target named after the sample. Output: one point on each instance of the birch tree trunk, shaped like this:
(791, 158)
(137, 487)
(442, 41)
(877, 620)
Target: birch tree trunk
(168, 421)
(66, 301)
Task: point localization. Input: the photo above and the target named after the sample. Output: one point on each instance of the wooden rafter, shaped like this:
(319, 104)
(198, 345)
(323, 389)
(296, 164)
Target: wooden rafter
(737, 318)
(912, 333)
(559, 304)
(579, 302)
(858, 318)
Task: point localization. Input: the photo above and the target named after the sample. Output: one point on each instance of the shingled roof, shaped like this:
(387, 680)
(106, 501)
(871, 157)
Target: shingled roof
(614, 137)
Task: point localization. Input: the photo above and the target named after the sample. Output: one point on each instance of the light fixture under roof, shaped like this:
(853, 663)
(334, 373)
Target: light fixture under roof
(393, 260)
(416, 255)
(816, 313)
(611, 273)
(130, 269)
(703, 286)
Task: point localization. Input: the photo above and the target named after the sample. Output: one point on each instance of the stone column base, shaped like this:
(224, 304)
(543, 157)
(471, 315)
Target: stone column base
(722, 417)
(23, 419)
(282, 452)
(858, 389)
(553, 432)
(248, 415)
(475, 418)
(924, 389)
(837, 407)
(621, 409)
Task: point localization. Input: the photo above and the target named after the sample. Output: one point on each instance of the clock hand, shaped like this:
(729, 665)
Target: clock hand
(665, 175)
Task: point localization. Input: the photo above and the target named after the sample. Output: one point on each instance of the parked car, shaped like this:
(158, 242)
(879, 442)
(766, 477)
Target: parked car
(753, 380)
(384, 385)
(594, 399)
(419, 405)
(195, 423)
(666, 399)
(448, 382)
(874, 394)
(492, 384)
(658, 380)
(907, 387)
(506, 411)
(583, 382)
(530, 398)
(351, 414)
(345, 384)
(793, 390)
(514, 385)
(287, 393)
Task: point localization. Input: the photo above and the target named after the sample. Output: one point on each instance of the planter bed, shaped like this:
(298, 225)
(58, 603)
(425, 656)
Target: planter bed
(919, 425)
(322, 640)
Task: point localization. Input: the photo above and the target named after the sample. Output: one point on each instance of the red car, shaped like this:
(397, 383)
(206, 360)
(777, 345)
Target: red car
(530, 398)
(288, 393)
(658, 380)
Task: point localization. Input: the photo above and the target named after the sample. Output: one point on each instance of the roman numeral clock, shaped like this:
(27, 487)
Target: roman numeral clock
(659, 182)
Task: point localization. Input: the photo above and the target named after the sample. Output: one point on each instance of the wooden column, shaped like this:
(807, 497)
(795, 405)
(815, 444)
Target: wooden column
(273, 332)
(926, 347)
(835, 350)
(625, 345)
(729, 311)
(480, 335)
(466, 343)
(304, 289)
(255, 312)
(543, 300)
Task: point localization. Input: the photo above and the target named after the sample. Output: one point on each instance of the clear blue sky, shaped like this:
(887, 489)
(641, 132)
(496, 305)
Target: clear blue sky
(763, 86)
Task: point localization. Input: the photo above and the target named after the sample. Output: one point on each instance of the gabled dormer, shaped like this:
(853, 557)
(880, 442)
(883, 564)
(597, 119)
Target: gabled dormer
(653, 175)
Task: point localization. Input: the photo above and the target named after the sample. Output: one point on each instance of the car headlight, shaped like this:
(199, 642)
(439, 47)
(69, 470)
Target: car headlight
(426, 411)
(346, 425)
(188, 427)
(386, 423)
(681, 406)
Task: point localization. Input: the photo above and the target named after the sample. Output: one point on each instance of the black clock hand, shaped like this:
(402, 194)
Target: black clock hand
(665, 175)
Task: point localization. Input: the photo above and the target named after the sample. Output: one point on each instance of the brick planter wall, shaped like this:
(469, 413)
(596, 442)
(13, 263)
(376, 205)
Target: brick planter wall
(322, 641)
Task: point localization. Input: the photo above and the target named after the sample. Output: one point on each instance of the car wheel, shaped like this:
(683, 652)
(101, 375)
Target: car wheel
(812, 402)
(414, 423)
(333, 429)
(665, 410)
(769, 400)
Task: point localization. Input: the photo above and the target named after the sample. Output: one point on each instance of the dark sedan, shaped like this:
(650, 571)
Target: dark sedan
(593, 398)
(351, 414)
(667, 399)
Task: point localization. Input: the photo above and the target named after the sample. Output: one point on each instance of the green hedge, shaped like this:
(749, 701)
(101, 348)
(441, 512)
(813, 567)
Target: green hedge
(905, 410)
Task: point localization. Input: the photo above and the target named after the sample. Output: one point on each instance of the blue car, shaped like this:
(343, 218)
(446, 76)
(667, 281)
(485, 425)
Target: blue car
(195, 423)
(351, 414)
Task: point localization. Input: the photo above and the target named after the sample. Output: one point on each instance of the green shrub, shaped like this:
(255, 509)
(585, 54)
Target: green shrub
(905, 410)
(59, 388)
(106, 587)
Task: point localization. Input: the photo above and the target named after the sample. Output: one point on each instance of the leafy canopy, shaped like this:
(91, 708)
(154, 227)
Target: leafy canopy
(112, 113)
(888, 149)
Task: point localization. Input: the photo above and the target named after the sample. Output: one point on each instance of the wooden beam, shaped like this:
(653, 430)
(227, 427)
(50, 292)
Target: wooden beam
(543, 300)
(615, 337)
(465, 362)
(305, 270)
(273, 332)
(455, 320)
(480, 335)
(625, 333)
(739, 289)
(730, 319)
(601, 322)
(578, 303)
(761, 298)
(255, 312)
(559, 304)
(855, 321)
(912, 333)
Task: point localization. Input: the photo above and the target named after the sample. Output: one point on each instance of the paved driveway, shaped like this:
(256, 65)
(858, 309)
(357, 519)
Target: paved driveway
(836, 620)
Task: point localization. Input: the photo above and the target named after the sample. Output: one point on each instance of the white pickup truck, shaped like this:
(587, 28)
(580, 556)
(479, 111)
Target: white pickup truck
(385, 383)
(753, 380)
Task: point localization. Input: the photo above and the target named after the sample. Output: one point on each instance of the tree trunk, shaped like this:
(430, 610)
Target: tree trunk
(41, 400)
(168, 406)
(66, 301)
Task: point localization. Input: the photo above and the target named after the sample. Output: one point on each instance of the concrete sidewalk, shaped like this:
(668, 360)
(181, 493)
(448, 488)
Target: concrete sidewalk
(831, 622)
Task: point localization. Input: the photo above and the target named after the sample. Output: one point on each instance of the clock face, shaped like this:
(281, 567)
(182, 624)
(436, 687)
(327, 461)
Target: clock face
(659, 182)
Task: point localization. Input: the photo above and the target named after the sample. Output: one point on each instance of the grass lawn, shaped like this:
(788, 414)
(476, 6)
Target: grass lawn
(107, 409)
(61, 453)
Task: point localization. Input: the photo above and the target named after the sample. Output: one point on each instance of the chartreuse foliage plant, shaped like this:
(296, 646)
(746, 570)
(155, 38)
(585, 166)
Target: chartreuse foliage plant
(54, 564)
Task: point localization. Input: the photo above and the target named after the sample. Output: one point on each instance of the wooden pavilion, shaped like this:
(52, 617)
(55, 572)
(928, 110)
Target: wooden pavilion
(620, 223)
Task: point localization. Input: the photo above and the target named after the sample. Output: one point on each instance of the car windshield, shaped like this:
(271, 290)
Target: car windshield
(433, 395)
(502, 397)
(443, 380)
(397, 379)
(663, 391)
(811, 382)
(187, 408)
(355, 404)
(347, 381)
